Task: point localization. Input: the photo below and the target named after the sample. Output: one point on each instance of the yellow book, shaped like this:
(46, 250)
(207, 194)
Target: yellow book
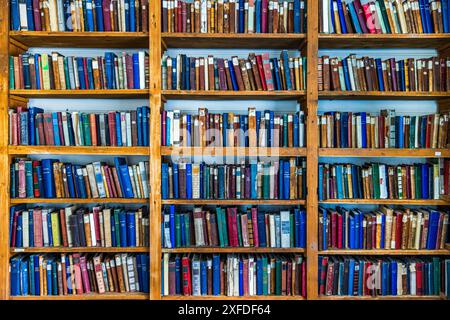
(45, 72)
(407, 74)
(56, 234)
(107, 191)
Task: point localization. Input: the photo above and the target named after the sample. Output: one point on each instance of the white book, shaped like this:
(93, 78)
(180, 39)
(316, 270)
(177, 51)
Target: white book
(128, 128)
(141, 70)
(65, 128)
(285, 229)
(106, 216)
(99, 179)
(166, 274)
(250, 276)
(205, 72)
(45, 221)
(236, 276)
(144, 179)
(301, 130)
(203, 17)
(229, 276)
(61, 20)
(53, 14)
(176, 128)
(23, 15)
(358, 131)
(383, 182)
(272, 182)
(123, 128)
(90, 218)
(135, 169)
(25, 229)
(196, 287)
(272, 234)
(251, 16)
(417, 237)
(198, 229)
(167, 241)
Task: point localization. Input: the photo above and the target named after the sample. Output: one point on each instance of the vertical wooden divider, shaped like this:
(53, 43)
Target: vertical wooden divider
(312, 149)
(155, 148)
(4, 159)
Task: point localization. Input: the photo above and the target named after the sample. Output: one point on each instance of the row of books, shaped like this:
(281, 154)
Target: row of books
(384, 16)
(256, 73)
(50, 178)
(257, 129)
(76, 274)
(57, 72)
(383, 181)
(384, 228)
(80, 16)
(369, 74)
(284, 179)
(381, 276)
(234, 16)
(78, 227)
(233, 275)
(116, 128)
(226, 227)
(383, 130)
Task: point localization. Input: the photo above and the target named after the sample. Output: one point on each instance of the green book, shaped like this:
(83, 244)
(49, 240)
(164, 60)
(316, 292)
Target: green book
(177, 231)
(266, 180)
(285, 130)
(345, 182)
(117, 226)
(385, 17)
(11, 72)
(399, 179)
(87, 130)
(224, 227)
(206, 183)
(376, 180)
(412, 130)
(219, 227)
(278, 278)
(66, 73)
(239, 229)
(81, 128)
(380, 16)
(187, 229)
(265, 279)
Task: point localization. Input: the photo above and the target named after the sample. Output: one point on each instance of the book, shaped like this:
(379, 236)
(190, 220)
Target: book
(227, 227)
(237, 74)
(234, 275)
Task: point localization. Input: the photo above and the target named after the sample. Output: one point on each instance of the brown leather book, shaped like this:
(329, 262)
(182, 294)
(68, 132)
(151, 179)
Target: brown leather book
(292, 179)
(251, 76)
(211, 72)
(256, 76)
(237, 72)
(192, 19)
(290, 131)
(220, 16)
(374, 74)
(334, 68)
(231, 17)
(348, 24)
(275, 17)
(325, 73)
(228, 75)
(290, 28)
(434, 13)
(55, 68)
(119, 268)
(201, 74)
(368, 74)
(270, 17)
(144, 15)
(197, 16)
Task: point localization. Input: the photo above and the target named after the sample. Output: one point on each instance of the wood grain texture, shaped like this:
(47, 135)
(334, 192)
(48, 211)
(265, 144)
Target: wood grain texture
(382, 95)
(233, 202)
(82, 94)
(383, 252)
(233, 250)
(232, 95)
(93, 296)
(77, 200)
(411, 202)
(236, 41)
(382, 153)
(233, 151)
(14, 251)
(91, 150)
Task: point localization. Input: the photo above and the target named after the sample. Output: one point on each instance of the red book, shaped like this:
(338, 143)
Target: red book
(96, 211)
(60, 129)
(77, 272)
(255, 227)
(37, 227)
(186, 272)
(183, 16)
(85, 275)
(110, 183)
(365, 276)
(419, 278)
(62, 220)
(40, 127)
(232, 228)
(129, 67)
(106, 15)
(339, 231)
(245, 276)
(408, 182)
(264, 11)
(172, 279)
(398, 233)
(36, 190)
(334, 229)
(36, 16)
(112, 128)
(361, 16)
(303, 279)
(323, 275)
(14, 228)
(85, 73)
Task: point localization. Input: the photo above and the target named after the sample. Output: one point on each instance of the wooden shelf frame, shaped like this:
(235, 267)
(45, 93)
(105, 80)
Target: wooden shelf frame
(14, 42)
(385, 252)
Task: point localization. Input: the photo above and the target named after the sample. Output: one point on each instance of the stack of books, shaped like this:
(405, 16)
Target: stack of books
(50, 178)
(73, 274)
(385, 228)
(384, 130)
(234, 16)
(233, 275)
(384, 16)
(370, 74)
(284, 179)
(226, 227)
(256, 73)
(257, 129)
(115, 128)
(381, 276)
(78, 227)
(383, 181)
(57, 72)
(80, 16)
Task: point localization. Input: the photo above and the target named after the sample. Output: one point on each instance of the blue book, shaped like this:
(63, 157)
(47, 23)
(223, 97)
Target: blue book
(109, 70)
(302, 214)
(241, 28)
(232, 74)
(241, 278)
(320, 184)
(174, 73)
(332, 25)
(80, 70)
(81, 187)
(216, 274)
(15, 20)
(56, 129)
(286, 180)
(380, 74)
(354, 18)
(363, 129)
(188, 181)
(361, 230)
(19, 232)
(123, 228)
(118, 129)
(36, 277)
(70, 183)
(221, 174)
(177, 275)
(124, 177)
(297, 26)
(24, 281)
(259, 277)
(175, 180)
(32, 112)
(30, 19)
(188, 129)
(90, 73)
(344, 130)
(261, 229)
(425, 187)
(49, 276)
(351, 223)
(401, 65)
(280, 180)
(428, 16)
(340, 193)
(393, 278)
(253, 175)
(203, 278)
(15, 276)
(384, 278)
(172, 225)
(276, 74)
(99, 15)
(285, 57)
(186, 63)
(341, 16)
(127, 14)
(145, 125)
(113, 231)
(351, 273)
(448, 30)
(296, 130)
(37, 72)
(258, 15)
(324, 229)
(400, 131)
(383, 227)
(242, 132)
(433, 229)
(423, 16)
(164, 181)
(29, 179)
(48, 178)
(90, 18)
(297, 227)
(131, 229)
(136, 80)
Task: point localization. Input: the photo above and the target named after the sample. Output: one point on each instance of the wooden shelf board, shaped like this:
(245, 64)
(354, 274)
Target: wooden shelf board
(77, 200)
(409, 297)
(104, 296)
(269, 297)
(447, 246)
(232, 151)
(94, 150)
(232, 202)
(232, 95)
(354, 41)
(390, 152)
(82, 94)
(81, 39)
(382, 95)
(385, 201)
(231, 40)
(385, 252)
(79, 249)
(233, 250)
(445, 197)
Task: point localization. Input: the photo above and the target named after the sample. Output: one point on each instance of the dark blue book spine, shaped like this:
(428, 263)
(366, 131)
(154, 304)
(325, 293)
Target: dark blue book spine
(140, 125)
(99, 15)
(261, 229)
(90, 73)
(131, 229)
(118, 129)
(123, 229)
(363, 129)
(233, 75)
(174, 73)
(136, 70)
(36, 67)
(90, 17)
(216, 275)
(127, 14)
(297, 16)
(258, 16)
(57, 138)
(80, 70)
(109, 70)
(172, 226)
(145, 125)
(296, 130)
(164, 181)
(49, 181)
(348, 85)
(188, 181)
(380, 74)
(430, 28)
(30, 19)
(113, 231)
(286, 180)
(276, 72)
(423, 16)
(175, 180)
(241, 16)
(15, 18)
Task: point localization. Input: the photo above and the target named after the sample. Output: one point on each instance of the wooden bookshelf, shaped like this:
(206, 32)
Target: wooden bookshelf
(232, 95)
(228, 40)
(269, 297)
(383, 95)
(80, 39)
(371, 41)
(88, 150)
(233, 202)
(79, 249)
(384, 153)
(385, 252)
(411, 202)
(408, 297)
(233, 250)
(76, 200)
(82, 94)
(233, 151)
(103, 296)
